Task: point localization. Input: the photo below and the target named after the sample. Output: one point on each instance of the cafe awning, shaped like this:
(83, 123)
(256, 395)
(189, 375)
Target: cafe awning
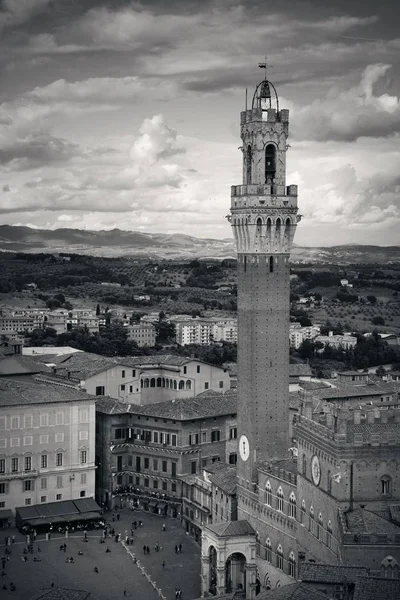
(91, 516)
(55, 509)
(85, 505)
(6, 513)
(27, 512)
(162, 504)
(153, 503)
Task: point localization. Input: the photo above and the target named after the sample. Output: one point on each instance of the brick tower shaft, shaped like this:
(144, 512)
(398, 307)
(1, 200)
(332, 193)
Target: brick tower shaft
(263, 217)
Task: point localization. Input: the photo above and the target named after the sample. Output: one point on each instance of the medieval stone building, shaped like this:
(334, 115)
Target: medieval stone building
(333, 495)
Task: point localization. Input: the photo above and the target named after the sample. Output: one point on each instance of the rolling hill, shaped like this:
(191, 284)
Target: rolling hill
(174, 246)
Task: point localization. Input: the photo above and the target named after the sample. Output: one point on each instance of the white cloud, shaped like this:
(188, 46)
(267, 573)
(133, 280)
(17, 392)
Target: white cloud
(16, 12)
(346, 115)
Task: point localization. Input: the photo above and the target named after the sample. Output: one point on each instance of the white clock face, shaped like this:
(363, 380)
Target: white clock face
(315, 470)
(244, 448)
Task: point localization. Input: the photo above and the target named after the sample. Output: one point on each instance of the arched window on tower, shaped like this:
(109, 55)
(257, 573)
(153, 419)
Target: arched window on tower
(279, 557)
(268, 551)
(279, 499)
(329, 534)
(292, 506)
(303, 512)
(259, 227)
(320, 526)
(188, 385)
(146, 383)
(269, 226)
(292, 564)
(158, 381)
(312, 520)
(152, 382)
(181, 385)
(270, 163)
(249, 158)
(268, 494)
(278, 229)
(386, 485)
(389, 568)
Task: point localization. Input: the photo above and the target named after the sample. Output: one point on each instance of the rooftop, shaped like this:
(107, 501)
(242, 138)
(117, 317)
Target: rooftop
(16, 393)
(315, 572)
(375, 588)
(182, 409)
(361, 521)
(293, 591)
(353, 391)
(17, 364)
(82, 365)
(295, 369)
(225, 479)
(232, 528)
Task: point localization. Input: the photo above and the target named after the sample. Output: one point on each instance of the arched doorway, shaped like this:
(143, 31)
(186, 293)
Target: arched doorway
(235, 573)
(258, 586)
(213, 571)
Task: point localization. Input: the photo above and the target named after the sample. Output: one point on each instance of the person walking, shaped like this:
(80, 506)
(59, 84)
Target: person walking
(148, 549)
(144, 549)
(176, 549)
(118, 516)
(164, 528)
(13, 539)
(163, 564)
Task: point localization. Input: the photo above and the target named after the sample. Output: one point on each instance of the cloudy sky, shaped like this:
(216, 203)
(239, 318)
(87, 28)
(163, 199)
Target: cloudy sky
(123, 114)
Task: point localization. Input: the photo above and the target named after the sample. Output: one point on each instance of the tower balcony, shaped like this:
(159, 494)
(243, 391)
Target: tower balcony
(267, 189)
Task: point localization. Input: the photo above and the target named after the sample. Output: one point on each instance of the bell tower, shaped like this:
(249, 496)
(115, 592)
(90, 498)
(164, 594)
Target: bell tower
(263, 217)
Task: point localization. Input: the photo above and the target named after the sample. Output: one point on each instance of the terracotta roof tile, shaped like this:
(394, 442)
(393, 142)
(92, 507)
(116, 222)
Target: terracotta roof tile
(293, 591)
(225, 479)
(375, 588)
(232, 528)
(315, 572)
(15, 393)
(361, 521)
(181, 409)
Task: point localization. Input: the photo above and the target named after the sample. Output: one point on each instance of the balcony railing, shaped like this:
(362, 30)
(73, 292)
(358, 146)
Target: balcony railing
(264, 190)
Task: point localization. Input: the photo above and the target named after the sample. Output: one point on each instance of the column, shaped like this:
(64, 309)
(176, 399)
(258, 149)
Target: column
(221, 584)
(205, 575)
(251, 581)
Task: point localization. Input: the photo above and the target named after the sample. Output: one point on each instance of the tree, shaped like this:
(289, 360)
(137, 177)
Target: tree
(380, 372)
(165, 332)
(372, 299)
(378, 320)
(97, 310)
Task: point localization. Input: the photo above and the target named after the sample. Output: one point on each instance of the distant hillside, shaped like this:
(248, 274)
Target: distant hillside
(174, 246)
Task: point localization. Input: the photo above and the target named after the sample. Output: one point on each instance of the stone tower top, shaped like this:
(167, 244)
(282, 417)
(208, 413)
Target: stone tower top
(264, 208)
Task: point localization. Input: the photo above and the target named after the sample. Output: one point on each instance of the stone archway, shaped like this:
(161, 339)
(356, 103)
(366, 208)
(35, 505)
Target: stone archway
(235, 573)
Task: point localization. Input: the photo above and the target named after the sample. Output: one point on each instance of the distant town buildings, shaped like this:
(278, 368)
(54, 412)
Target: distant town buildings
(336, 341)
(144, 334)
(204, 331)
(298, 334)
